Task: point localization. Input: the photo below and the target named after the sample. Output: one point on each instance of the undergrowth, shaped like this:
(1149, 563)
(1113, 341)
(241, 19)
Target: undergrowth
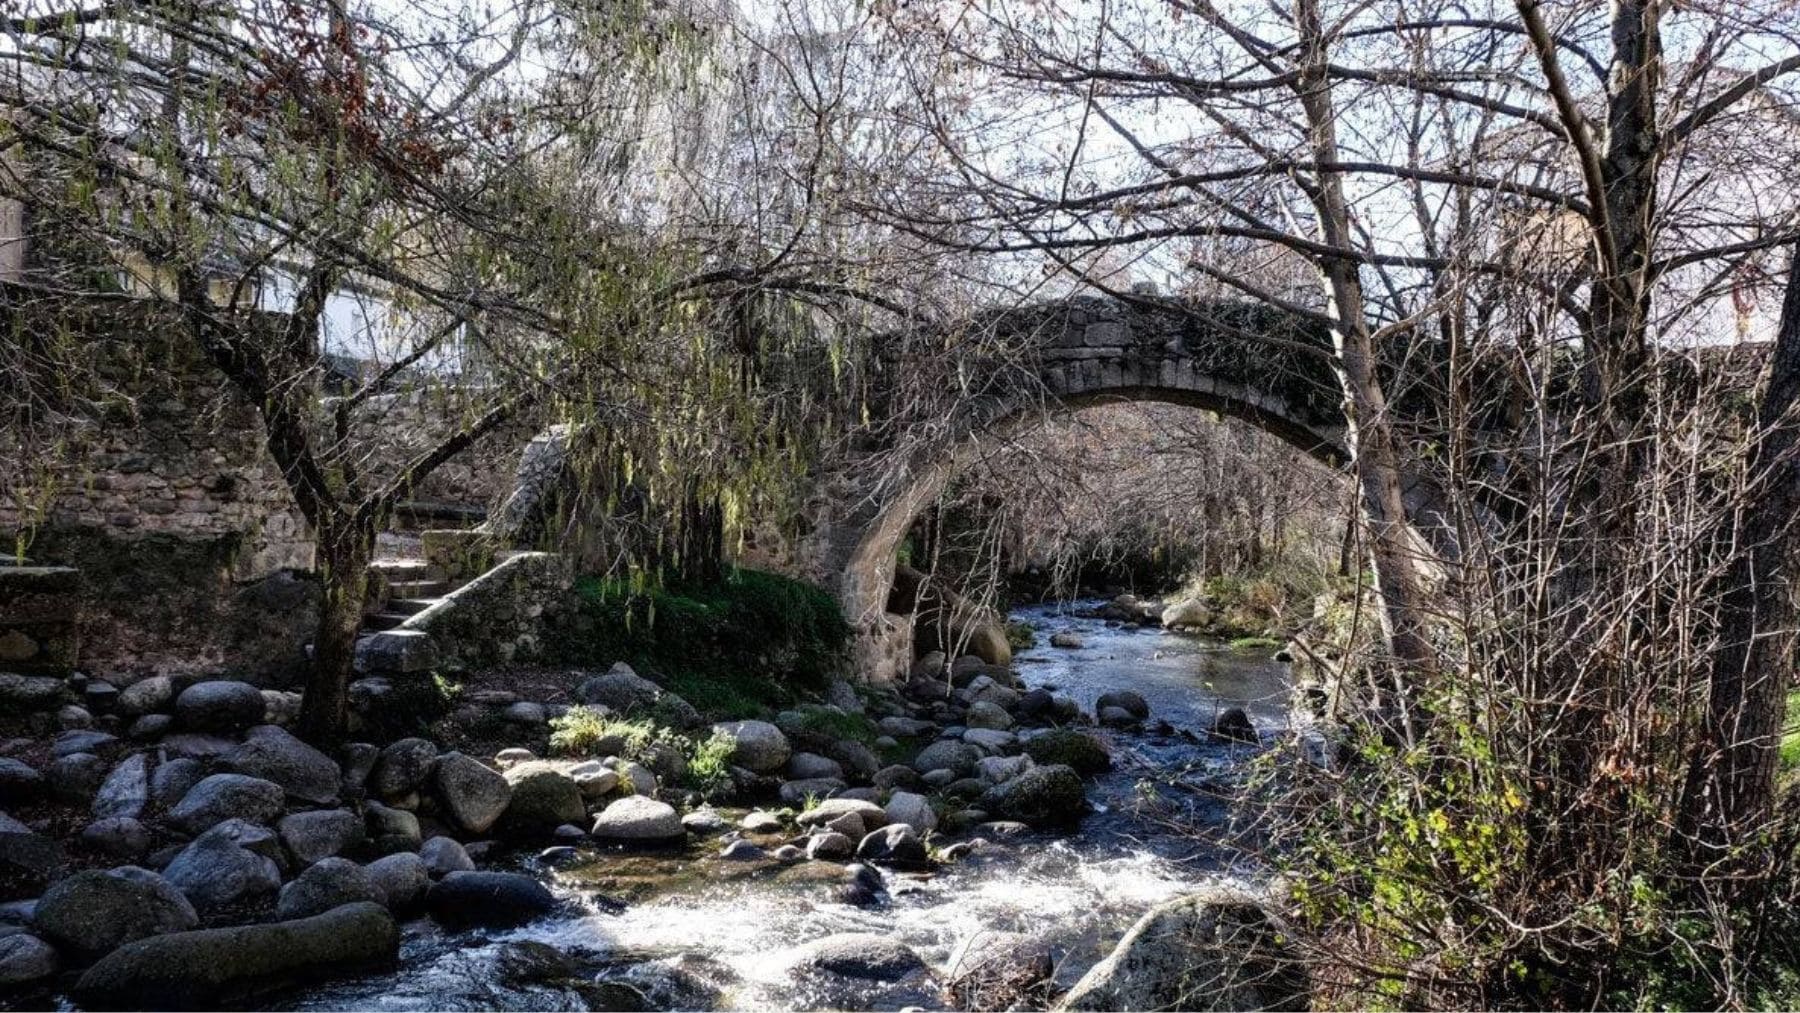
(748, 643)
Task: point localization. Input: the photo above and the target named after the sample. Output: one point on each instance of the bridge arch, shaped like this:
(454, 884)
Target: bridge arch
(1242, 360)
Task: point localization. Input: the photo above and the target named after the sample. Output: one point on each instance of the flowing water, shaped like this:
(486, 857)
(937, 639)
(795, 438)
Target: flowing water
(691, 931)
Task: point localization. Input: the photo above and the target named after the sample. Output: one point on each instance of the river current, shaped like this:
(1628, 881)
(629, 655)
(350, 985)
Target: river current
(692, 931)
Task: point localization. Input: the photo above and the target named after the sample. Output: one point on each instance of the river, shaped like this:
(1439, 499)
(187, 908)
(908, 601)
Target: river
(692, 931)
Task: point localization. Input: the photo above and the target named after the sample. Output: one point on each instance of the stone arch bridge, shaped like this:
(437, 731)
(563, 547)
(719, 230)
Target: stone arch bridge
(1268, 368)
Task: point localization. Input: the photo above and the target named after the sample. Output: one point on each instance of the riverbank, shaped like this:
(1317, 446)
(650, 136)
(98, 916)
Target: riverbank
(667, 901)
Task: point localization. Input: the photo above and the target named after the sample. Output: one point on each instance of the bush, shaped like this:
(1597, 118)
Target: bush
(750, 641)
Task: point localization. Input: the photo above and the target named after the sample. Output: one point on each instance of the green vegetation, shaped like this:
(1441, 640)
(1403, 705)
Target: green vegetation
(1256, 643)
(837, 724)
(709, 763)
(1790, 736)
(1020, 636)
(584, 731)
(749, 642)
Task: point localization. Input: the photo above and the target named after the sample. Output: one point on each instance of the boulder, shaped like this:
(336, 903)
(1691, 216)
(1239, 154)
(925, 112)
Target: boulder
(897, 776)
(624, 691)
(274, 754)
(327, 883)
(1125, 700)
(741, 850)
(488, 899)
(357, 760)
(95, 912)
(20, 782)
(219, 706)
(830, 846)
(227, 796)
(214, 873)
(947, 754)
(1065, 640)
(858, 760)
(396, 652)
(150, 727)
(443, 855)
(391, 829)
(1043, 796)
(757, 821)
(638, 819)
(1071, 748)
(28, 861)
(474, 794)
(1219, 949)
(24, 958)
(253, 837)
(642, 779)
(913, 810)
(906, 728)
(825, 813)
(802, 766)
(147, 696)
(990, 964)
(280, 707)
(126, 791)
(20, 694)
(896, 845)
(595, 780)
(987, 714)
(400, 879)
(325, 833)
(172, 780)
(756, 745)
(76, 778)
(227, 967)
(1117, 717)
(1001, 769)
(74, 717)
(800, 792)
(990, 740)
(857, 955)
(543, 798)
(1234, 726)
(1190, 614)
(403, 767)
(120, 838)
(704, 821)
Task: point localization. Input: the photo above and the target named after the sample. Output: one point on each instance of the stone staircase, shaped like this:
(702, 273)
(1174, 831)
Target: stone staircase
(401, 589)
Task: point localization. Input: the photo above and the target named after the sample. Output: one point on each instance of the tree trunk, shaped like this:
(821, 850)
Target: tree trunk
(1753, 664)
(345, 553)
(1370, 433)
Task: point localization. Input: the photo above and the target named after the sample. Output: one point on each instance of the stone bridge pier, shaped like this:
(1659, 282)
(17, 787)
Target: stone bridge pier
(1242, 360)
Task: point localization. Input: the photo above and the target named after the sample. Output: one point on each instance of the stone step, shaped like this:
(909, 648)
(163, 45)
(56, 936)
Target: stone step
(406, 570)
(384, 620)
(410, 606)
(419, 588)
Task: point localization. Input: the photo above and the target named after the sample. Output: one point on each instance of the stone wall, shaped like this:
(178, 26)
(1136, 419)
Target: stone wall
(40, 612)
(128, 458)
(501, 617)
(393, 428)
(143, 437)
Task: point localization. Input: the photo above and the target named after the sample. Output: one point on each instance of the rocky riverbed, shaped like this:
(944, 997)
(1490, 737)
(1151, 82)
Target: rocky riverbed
(997, 861)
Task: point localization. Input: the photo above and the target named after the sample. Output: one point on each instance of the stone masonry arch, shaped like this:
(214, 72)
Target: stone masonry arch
(1237, 359)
